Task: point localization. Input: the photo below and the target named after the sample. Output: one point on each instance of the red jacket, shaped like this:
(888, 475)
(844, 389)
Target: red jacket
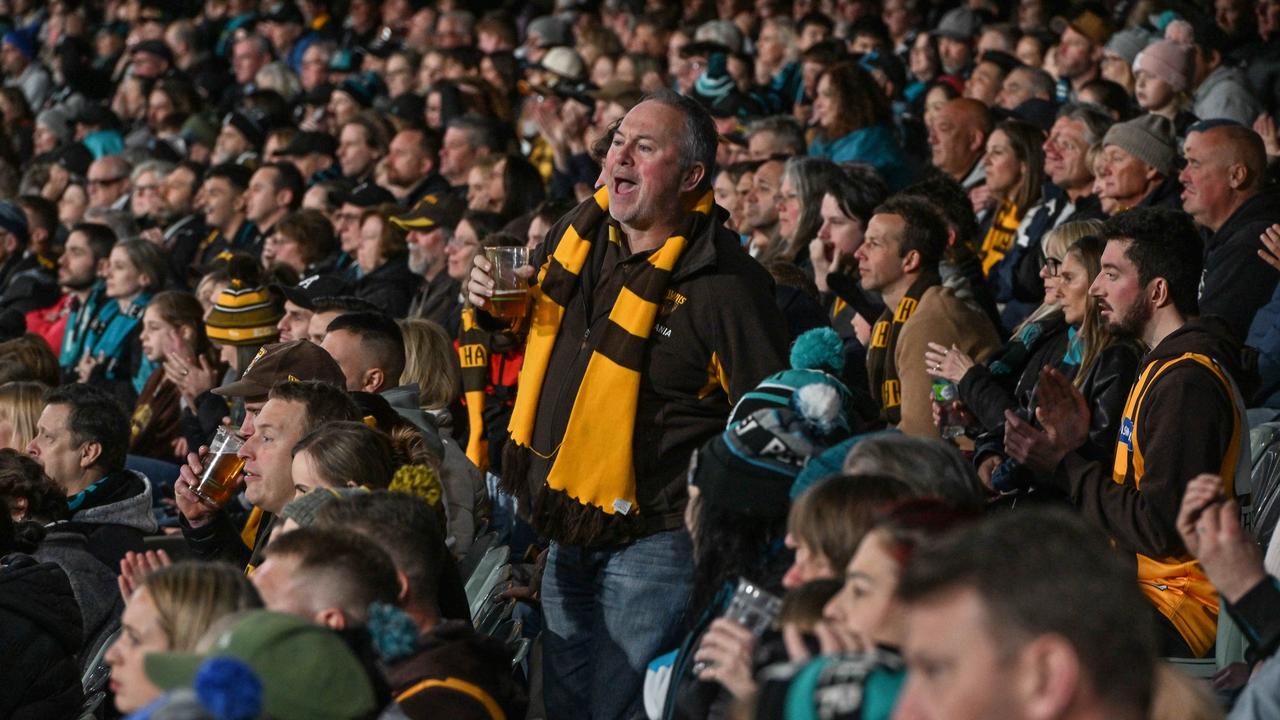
(50, 323)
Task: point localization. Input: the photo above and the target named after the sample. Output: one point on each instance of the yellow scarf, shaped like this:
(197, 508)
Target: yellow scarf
(593, 464)
(473, 354)
(1004, 229)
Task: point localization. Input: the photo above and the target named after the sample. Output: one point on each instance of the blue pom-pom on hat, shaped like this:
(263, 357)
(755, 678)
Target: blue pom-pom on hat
(229, 689)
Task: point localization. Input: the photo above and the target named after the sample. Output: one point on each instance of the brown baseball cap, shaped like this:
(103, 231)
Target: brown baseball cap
(1089, 22)
(625, 94)
(293, 361)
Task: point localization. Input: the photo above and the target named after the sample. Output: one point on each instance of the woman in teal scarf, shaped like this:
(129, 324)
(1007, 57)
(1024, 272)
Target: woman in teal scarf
(112, 346)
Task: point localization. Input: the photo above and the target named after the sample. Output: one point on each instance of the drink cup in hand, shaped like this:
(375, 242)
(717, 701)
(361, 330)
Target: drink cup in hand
(753, 608)
(223, 469)
(510, 299)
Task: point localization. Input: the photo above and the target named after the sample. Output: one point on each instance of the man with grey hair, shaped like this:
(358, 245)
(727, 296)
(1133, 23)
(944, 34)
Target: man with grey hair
(467, 138)
(1069, 194)
(1024, 83)
(147, 199)
(775, 136)
(249, 54)
(930, 466)
(652, 324)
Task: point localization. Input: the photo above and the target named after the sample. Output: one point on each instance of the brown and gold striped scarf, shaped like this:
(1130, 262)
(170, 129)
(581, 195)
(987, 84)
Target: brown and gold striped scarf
(593, 464)
(1004, 230)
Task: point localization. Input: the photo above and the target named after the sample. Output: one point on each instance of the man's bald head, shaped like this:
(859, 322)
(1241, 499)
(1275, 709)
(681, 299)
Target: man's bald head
(114, 164)
(1225, 166)
(958, 136)
(1239, 145)
(970, 114)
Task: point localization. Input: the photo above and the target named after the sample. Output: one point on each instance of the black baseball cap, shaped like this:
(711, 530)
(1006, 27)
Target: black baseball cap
(367, 195)
(312, 288)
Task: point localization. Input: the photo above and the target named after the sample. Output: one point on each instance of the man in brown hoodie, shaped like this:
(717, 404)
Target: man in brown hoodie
(1184, 416)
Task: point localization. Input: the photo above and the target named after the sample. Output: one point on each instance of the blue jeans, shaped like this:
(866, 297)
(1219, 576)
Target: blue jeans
(608, 613)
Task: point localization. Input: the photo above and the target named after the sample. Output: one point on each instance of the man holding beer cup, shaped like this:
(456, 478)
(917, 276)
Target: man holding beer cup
(646, 322)
(260, 455)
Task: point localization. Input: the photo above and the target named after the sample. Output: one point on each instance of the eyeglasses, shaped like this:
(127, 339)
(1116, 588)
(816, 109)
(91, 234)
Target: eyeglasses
(100, 182)
(1051, 265)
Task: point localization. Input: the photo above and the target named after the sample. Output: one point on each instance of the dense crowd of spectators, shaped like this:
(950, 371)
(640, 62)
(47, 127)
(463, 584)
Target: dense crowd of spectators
(616, 359)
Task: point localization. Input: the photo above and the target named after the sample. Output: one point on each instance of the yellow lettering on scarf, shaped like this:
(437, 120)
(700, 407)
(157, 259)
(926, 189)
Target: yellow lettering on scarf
(472, 356)
(891, 393)
(880, 336)
(905, 307)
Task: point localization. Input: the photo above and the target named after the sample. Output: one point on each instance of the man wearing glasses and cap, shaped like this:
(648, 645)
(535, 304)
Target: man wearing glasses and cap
(430, 226)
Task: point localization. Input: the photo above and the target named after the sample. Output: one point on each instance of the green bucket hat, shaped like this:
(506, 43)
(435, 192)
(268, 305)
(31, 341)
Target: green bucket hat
(306, 670)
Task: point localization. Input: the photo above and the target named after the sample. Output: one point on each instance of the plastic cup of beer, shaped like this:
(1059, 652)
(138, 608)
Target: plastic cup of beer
(222, 469)
(510, 299)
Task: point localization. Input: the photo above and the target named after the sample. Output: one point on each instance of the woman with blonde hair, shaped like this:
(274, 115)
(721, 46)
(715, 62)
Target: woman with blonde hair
(431, 363)
(1008, 379)
(20, 406)
(168, 610)
(1098, 362)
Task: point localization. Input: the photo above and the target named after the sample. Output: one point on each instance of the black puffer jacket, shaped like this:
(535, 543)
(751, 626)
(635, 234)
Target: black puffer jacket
(40, 634)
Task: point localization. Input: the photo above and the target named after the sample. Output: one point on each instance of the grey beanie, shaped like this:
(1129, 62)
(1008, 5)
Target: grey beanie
(1128, 43)
(303, 509)
(553, 31)
(1149, 138)
(58, 122)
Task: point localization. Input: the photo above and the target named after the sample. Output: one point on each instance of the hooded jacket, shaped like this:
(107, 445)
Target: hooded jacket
(1136, 501)
(1225, 94)
(115, 515)
(92, 582)
(457, 674)
(1236, 282)
(40, 635)
(463, 484)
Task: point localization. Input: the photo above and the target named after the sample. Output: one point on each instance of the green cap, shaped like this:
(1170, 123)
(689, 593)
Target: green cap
(306, 670)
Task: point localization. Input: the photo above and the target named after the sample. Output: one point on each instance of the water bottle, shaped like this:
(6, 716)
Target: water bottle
(945, 393)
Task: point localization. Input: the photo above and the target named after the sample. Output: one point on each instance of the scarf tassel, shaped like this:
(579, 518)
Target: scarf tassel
(557, 514)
